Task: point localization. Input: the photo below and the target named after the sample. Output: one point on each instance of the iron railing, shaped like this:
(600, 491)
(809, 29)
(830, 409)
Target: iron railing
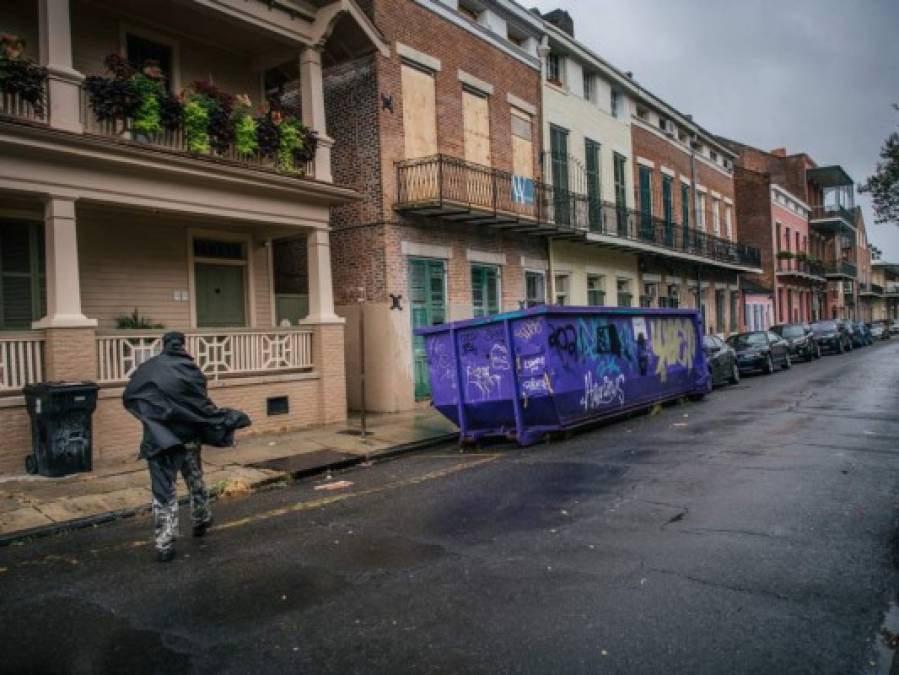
(12, 104)
(799, 266)
(441, 182)
(832, 211)
(840, 268)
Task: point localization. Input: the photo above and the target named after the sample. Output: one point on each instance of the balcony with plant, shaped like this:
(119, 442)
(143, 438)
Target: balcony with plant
(23, 83)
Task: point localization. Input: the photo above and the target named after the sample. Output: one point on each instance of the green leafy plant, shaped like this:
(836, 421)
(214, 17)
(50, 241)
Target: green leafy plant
(147, 118)
(20, 76)
(196, 125)
(785, 255)
(136, 321)
(245, 130)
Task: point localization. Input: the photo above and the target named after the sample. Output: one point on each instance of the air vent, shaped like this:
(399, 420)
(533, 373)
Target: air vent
(277, 405)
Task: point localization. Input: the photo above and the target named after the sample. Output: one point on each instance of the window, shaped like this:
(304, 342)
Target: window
(476, 128)
(140, 50)
(535, 288)
(716, 216)
(558, 141)
(419, 113)
(720, 302)
(522, 158)
(734, 311)
(594, 184)
(23, 288)
(728, 223)
(468, 12)
(561, 284)
(713, 155)
(616, 104)
(643, 113)
(589, 86)
(596, 291)
(700, 211)
(671, 299)
(685, 212)
(650, 293)
(619, 162)
(668, 208)
(484, 290)
(554, 68)
(646, 228)
(623, 287)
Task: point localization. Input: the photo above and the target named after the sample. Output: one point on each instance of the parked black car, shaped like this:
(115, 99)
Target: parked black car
(801, 340)
(722, 360)
(832, 336)
(760, 350)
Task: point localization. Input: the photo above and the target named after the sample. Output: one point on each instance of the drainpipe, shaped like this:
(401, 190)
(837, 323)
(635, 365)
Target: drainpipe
(549, 288)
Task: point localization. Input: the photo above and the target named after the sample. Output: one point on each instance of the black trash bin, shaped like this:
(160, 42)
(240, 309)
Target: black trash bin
(61, 430)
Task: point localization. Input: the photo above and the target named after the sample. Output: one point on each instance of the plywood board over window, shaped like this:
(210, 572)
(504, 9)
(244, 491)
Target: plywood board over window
(522, 144)
(476, 127)
(419, 113)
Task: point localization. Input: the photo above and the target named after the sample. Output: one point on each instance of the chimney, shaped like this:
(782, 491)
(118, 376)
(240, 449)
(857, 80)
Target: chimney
(779, 152)
(561, 20)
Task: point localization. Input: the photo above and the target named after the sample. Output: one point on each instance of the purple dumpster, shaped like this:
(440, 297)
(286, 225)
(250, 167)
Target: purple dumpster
(523, 374)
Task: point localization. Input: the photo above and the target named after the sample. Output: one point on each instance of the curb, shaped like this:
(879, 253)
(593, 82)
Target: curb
(101, 518)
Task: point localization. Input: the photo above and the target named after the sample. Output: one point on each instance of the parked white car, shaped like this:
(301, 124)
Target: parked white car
(894, 328)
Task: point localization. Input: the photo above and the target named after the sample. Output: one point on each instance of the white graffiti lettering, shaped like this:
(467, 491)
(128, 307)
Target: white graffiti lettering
(535, 387)
(600, 394)
(528, 329)
(533, 364)
(499, 357)
(481, 381)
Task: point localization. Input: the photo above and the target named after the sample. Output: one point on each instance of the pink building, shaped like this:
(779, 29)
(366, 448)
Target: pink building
(799, 278)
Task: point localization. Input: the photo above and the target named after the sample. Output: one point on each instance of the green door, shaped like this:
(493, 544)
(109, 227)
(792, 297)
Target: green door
(594, 186)
(427, 284)
(621, 194)
(668, 209)
(558, 143)
(646, 203)
(220, 295)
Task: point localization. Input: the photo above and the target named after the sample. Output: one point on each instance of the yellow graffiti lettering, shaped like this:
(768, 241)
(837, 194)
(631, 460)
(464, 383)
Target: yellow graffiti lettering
(673, 343)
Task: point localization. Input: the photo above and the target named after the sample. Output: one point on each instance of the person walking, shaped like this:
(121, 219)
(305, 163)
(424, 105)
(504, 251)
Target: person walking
(168, 394)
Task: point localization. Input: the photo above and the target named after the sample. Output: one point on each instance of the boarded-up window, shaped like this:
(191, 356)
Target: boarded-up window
(476, 126)
(522, 145)
(419, 113)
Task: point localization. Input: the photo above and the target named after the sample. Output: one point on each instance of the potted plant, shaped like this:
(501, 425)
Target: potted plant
(20, 76)
(784, 255)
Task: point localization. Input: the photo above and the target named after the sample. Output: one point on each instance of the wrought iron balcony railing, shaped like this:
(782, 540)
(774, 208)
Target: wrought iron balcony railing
(458, 190)
(832, 212)
(800, 267)
(840, 268)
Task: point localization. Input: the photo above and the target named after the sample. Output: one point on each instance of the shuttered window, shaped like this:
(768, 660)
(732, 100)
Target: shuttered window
(419, 113)
(476, 127)
(23, 291)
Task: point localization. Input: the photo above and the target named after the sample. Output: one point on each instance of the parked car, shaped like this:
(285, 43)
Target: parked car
(879, 331)
(801, 340)
(894, 328)
(832, 336)
(722, 360)
(864, 333)
(856, 339)
(760, 350)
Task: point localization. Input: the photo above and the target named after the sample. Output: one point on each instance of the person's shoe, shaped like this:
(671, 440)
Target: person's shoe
(165, 556)
(200, 530)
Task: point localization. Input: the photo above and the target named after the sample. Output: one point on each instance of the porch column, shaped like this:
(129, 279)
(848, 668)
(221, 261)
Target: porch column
(69, 350)
(313, 98)
(321, 292)
(63, 81)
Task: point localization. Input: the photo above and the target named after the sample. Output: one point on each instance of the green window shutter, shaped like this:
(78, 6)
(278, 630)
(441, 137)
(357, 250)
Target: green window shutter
(594, 185)
(646, 229)
(620, 194)
(668, 209)
(685, 212)
(427, 297)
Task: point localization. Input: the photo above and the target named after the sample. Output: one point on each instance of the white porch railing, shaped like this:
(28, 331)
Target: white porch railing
(217, 353)
(21, 360)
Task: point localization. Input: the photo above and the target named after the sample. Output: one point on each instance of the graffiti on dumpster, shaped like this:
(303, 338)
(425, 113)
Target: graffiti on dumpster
(440, 361)
(599, 394)
(499, 357)
(481, 383)
(535, 386)
(533, 364)
(528, 330)
(564, 340)
(673, 344)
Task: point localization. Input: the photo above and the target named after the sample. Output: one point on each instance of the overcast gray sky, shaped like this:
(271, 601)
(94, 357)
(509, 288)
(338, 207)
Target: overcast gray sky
(813, 75)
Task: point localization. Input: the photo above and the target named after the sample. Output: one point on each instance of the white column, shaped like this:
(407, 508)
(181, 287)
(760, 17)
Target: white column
(321, 292)
(63, 281)
(313, 97)
(63, 81)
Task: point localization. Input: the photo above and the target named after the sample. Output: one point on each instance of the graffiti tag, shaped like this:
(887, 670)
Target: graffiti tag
(535, 387)
(499, 357)
(528, 330)
(481, 381)
(673, 343)
(564, 340)
(600, 394)
(441, 362)
(533, 364)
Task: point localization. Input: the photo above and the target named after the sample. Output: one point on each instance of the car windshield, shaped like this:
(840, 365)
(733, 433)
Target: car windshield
(824, 326)
(748, 340)
(792, 331)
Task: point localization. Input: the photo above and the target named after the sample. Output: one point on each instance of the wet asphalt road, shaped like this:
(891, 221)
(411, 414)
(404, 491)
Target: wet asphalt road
(749, 533)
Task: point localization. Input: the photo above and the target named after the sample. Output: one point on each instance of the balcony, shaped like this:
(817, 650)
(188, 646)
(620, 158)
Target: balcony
(832, 219)
(870, 290)
(840, 269)
(800, 269)
(891, 289)
(458, 191)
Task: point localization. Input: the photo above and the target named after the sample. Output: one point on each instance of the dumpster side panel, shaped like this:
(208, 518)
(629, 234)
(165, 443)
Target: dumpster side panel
(487, 378)
(579, 366)
(442, 371)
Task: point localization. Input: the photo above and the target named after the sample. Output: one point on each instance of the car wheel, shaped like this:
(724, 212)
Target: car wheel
(788, 363)
(735, 375)
(769, 367)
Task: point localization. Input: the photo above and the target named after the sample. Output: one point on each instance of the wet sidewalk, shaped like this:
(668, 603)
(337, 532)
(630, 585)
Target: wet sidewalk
(31, 505)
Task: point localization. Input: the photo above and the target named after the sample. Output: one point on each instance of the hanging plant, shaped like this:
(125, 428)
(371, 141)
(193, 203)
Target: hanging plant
(147, 119)
(219, 105)
(18, 75)
(784, 255)
(196, 125)
(171, 112)
(289, 142)
(267, 137)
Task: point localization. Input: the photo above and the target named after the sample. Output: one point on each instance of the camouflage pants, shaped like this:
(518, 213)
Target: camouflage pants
(164, 469)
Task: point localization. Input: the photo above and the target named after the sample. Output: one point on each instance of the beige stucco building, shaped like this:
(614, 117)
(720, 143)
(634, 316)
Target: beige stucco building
(97, 221)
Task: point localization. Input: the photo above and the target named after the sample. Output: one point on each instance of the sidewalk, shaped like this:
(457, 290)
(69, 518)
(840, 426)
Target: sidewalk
(31, 505)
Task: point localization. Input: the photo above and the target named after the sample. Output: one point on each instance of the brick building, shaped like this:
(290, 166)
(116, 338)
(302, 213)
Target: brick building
(684, 191)
(835, 238)
(442, 138)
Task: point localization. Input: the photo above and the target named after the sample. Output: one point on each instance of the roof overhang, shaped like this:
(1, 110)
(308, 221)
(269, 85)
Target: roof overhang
(829, 176)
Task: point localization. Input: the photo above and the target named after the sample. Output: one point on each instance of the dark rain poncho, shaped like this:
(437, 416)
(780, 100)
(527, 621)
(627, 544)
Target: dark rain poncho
(168, 395)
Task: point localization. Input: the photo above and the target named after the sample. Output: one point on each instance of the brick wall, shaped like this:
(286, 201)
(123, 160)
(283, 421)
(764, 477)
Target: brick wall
(753, 202)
